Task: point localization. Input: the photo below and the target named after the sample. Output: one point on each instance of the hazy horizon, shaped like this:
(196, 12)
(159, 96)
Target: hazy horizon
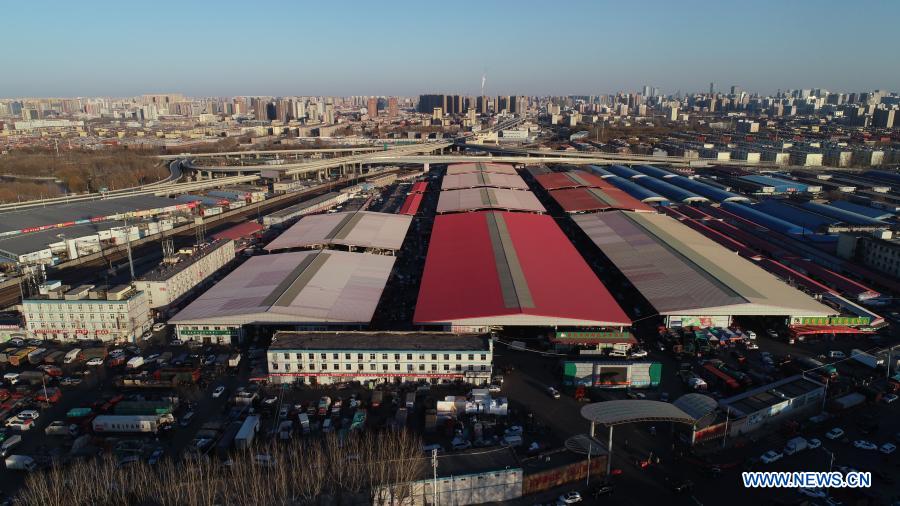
(88, 49)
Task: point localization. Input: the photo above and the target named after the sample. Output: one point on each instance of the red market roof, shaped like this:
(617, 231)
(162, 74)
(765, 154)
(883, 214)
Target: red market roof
(578, 200)
(411, 205)
(574, 179)
(246, 229)
(419, 187)
(503, 268)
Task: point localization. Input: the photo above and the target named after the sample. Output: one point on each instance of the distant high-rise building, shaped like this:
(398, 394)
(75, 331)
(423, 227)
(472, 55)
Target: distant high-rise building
(372, 107)
(712, 88)
(735, 90)
(883, 118)
(427, 103)
(393, 109)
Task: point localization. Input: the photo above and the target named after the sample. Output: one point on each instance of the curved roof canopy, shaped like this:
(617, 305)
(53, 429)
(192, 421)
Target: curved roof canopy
(635, 410)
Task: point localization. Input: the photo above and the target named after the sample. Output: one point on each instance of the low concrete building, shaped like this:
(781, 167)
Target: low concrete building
(121, 313)
(323, 358)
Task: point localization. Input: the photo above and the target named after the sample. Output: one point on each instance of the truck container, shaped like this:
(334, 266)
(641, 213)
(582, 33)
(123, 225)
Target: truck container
(411, 400)
(31, 377)
(20, 356)
(227, 440)
(234, 360)
(847, 401)
(72, 356)
(36, 356)
(20, 463)
(135, 362)
(612, 374)
(244, 437)
(8, 444)
(286, 430)
(324, 403)
(303, 418)
(866, 359)
(54, 357)
(130, 423)
(795, 445)
(144, 408)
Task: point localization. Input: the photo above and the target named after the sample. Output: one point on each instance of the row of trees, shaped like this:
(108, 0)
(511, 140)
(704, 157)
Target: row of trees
(360, 469)
(79, 171)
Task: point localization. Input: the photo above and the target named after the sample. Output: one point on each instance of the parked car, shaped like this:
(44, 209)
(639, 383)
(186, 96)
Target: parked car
(887, 448)
(638, 353)
(96, 361)
(155, 457)
(553, 392)
(771, 456)
(159, 327)
(813, 443)
(835, 433)
(862, 444)
(176, 342)
(570, 497)
(889, 398)
(218, 392)
(603, 489)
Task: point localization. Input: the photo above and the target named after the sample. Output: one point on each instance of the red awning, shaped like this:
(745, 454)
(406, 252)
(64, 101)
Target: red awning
(246, 229)
(806, 330)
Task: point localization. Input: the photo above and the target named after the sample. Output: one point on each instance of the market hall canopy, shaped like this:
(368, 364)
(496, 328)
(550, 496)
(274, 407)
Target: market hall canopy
(682, 272)
(637, 410)
(361, 229)
(496, 168)
(500, 268)
(474, 199)
(483, 179)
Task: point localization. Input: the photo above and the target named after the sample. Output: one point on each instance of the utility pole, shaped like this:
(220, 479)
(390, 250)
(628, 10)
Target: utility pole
(434, 480)
(128, 248)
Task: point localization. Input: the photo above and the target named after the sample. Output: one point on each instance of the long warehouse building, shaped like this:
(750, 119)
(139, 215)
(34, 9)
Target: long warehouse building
(299, 289)
(491, 268)
(354, 230)
(688, 278)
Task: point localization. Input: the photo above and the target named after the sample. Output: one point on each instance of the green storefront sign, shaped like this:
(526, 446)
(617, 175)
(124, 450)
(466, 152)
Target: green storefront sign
(601, 335)
(226, 332)
(849, 321)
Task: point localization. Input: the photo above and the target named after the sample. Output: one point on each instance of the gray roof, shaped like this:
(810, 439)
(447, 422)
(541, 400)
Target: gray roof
(299, 287)
(482, 179)
(364, 229)
(290, 211)
(66, 213)
(36, 241)
(766, 396)
(473, 199)
(167, 270)
(681, 272)
(400, 341)
(464, 168)
(634, 410)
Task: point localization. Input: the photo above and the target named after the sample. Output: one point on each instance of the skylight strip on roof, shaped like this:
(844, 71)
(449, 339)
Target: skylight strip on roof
(513, 284)
(303, 279)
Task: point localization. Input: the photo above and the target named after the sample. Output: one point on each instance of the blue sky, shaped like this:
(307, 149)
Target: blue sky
(223, 47)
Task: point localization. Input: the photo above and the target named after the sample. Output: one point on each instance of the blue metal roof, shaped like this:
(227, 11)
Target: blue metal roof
(796, 215)
(637, 191)
(780, 185)
(870, 212)
(671, 191)
(751, 213)
(848, 217)
(652, 171)
(623, 171)
(883, 175)
(705, 190)
(600, 171)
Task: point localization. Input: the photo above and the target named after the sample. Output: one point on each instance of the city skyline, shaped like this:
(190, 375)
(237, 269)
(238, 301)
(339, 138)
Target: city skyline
(95, 49)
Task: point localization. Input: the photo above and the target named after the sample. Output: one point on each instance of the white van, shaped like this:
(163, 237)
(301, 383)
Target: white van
(618, 353)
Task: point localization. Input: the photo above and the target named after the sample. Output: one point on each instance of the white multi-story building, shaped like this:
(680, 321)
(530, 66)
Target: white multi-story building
(183, 272)
(323, 358)
(121, 313)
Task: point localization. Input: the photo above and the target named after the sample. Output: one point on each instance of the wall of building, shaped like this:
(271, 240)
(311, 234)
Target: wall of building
(106, 320)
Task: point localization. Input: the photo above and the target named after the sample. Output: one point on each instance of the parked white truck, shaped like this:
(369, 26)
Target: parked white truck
(795, 445)
(131, 423)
